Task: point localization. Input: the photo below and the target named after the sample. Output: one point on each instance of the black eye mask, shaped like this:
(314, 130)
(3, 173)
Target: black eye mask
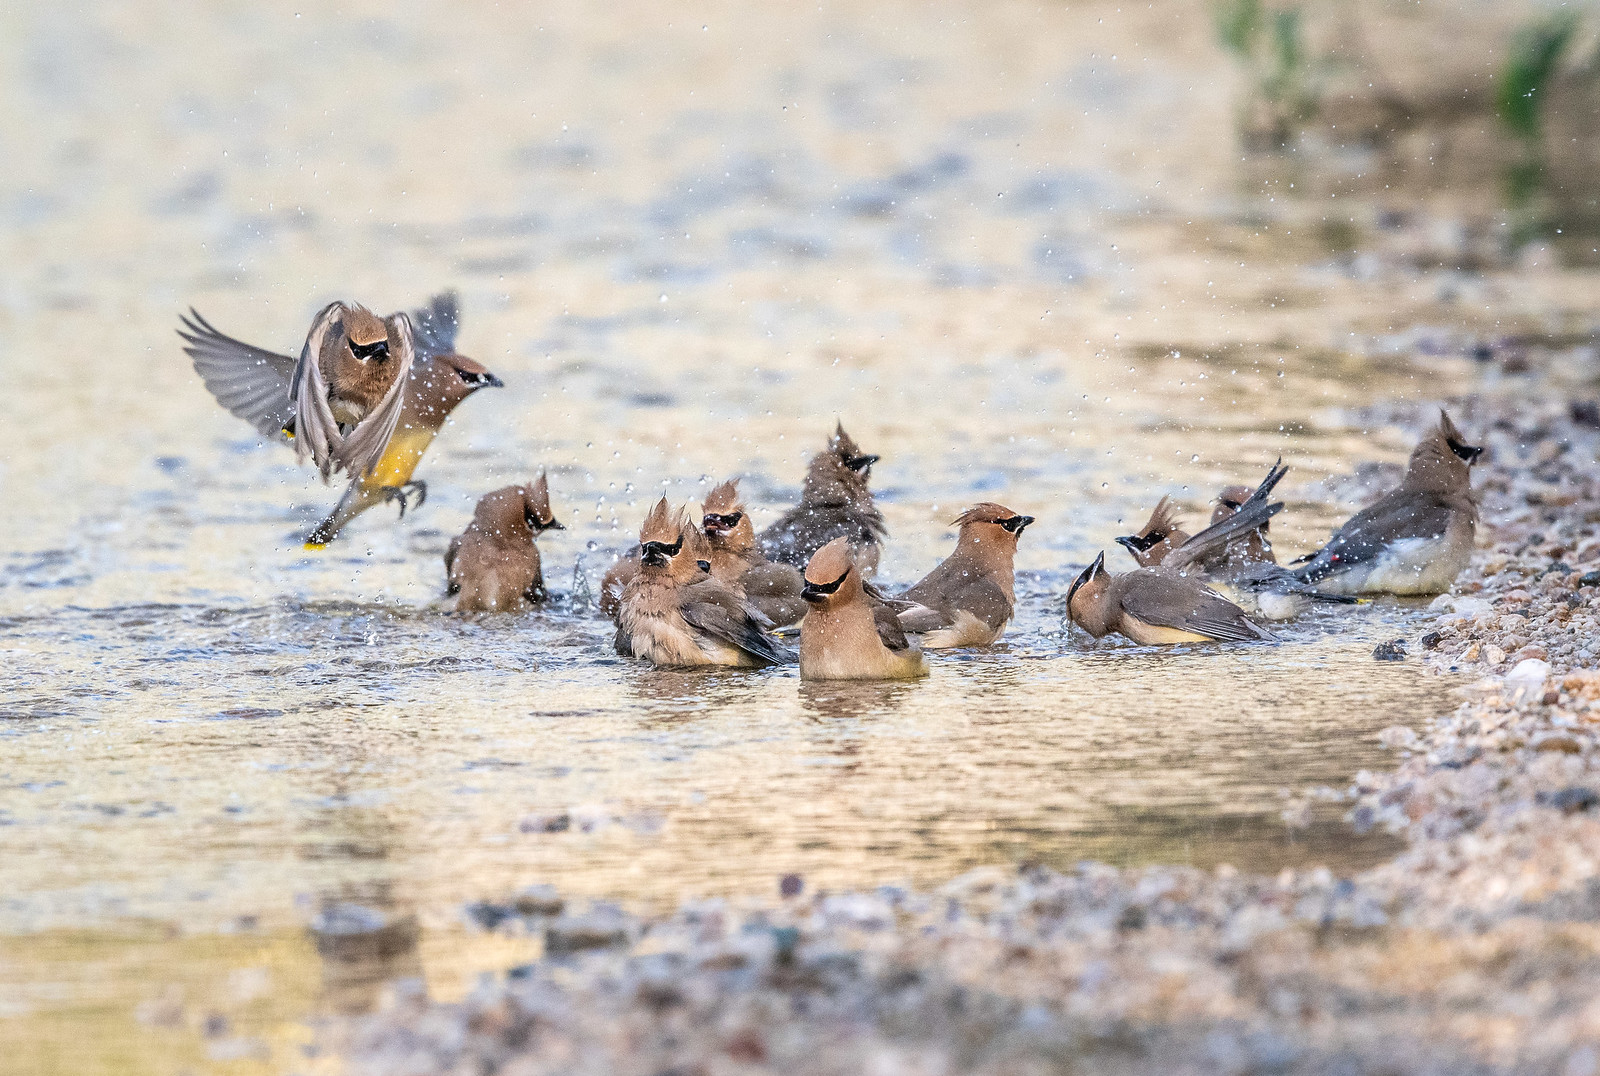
(815, 592)
(1015, 524)
(536, 525)
(1083, 577)
(659, 553)
(727, 522)
(1466, 452)
(1136, 544)
(860, 463)
(379, 350)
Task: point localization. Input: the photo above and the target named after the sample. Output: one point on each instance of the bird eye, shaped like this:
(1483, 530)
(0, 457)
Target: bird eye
(1154, 538)
(1228, 504)
(1466, 452)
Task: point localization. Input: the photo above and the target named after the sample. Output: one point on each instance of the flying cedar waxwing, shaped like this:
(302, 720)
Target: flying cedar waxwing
(970, 597)
(835, 503)
(253, 383)
(1416, 538)
(675, 612)
(773, 589)
(1154, 607)
(841, 638)
(493, 566)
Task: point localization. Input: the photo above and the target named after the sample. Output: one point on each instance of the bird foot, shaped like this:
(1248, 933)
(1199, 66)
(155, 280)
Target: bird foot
(404, 493)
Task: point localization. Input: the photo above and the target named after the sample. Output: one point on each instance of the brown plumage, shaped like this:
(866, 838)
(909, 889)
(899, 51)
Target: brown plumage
(1158, 537)
(1155, 607)
(675, 612)
(970, 597)
(835, 503)
(773, 589)
(253, 383)
(1254, 548)
(348, 387)
(493, 566)
(1416, 538)
(840, 637)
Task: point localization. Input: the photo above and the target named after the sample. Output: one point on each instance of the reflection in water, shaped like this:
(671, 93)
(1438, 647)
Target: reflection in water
(826, 699)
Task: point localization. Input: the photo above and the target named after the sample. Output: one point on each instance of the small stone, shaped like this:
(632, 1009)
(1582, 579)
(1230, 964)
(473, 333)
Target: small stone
(1493, 654)
(575, 933)
(1564, 742)
(538, 900)
(1570, 800)
(1589, 579)
(790, 885)
(1532, 652)
(1550, 698)
(1431, 640)
(1393, 650)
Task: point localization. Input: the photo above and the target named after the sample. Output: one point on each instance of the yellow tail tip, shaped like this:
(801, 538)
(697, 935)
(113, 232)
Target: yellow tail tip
(315, 547)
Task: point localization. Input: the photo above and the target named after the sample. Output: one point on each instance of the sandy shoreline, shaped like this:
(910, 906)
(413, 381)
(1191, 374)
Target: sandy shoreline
(1477, 949)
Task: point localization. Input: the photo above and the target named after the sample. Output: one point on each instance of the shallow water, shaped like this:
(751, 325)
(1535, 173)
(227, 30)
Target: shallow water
(1011, 249)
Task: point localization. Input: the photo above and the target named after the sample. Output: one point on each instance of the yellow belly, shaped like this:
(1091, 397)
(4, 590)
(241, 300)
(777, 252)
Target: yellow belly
(399, 460)
(1156, 635)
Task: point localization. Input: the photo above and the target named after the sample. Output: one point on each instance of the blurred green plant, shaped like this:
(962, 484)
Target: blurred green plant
(1269, 44)
(1530, 70)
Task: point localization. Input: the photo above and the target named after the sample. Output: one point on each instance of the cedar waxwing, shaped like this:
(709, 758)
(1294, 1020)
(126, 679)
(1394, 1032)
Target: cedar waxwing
(253, 383)
(493, 566)
(841, 638)
(1154, 607)
(1253, 548)
(970, 597)
(834, 503)
(773, 589)
(1416, 538)
(1220, 554)
(675, 612)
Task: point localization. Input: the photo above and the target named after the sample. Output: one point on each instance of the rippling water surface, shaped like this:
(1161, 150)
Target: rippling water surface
(1009, 246)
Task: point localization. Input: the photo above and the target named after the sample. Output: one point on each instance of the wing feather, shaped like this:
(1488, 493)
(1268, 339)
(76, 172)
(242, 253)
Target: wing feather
(719, 613)
(251, 382)
(1394, 518)
(1175, 602)
(437, 323)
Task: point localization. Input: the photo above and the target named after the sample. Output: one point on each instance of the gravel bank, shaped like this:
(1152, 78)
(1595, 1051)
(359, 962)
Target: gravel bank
(1476, 950)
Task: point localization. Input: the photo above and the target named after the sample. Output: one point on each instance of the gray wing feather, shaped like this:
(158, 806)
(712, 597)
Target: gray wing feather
(735, 627)
(249, 381)
(437, 323)
(1396, 517)
(316, 432)
(1186, 605)
(361, 449)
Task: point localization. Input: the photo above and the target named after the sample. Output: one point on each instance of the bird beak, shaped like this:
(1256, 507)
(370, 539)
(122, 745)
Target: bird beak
(555, 525)
(1132, 543)
(712, 525)
(861, 463)
(1023, 524)
(489, 381)
(1470, 453)
(810, 594)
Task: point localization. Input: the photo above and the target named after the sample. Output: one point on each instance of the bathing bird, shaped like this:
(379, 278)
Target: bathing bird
(834, 503)
(845, 636)
(253, 383)
(969, 597)
(1416, 538)
(772, 588)
(493, 566)
(1231, 554)
(675, 612)
(1155, 607)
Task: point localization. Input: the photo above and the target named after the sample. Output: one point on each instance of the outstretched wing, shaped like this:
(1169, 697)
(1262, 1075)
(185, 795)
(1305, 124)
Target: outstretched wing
(436, 324)
(249, 381)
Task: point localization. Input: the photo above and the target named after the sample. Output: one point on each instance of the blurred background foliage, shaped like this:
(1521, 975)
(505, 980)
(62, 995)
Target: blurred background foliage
(1506, 93)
